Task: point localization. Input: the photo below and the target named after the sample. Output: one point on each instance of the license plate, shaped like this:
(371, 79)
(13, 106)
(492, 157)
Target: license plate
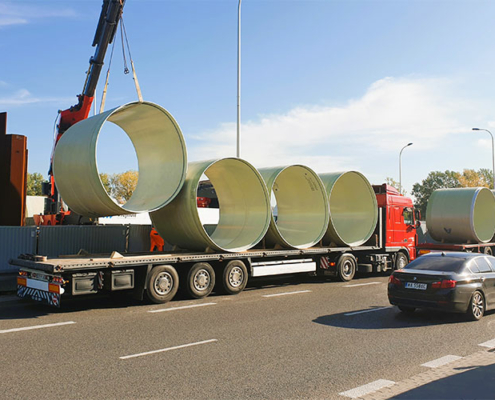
(414, 285)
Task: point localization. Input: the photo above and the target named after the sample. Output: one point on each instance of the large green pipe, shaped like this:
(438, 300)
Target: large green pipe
(244, 208)
(353, 208)
(461, 215)
(302, 207)
(160, 150)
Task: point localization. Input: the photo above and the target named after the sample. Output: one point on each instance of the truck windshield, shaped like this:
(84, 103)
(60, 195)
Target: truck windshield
(446, 264)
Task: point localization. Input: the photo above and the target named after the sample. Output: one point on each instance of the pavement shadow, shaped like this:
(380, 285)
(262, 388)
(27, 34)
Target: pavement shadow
(476, 383)
(27, 309)
(379, 317)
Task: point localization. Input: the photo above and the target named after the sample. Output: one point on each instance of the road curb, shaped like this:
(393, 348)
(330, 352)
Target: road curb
(479, 359)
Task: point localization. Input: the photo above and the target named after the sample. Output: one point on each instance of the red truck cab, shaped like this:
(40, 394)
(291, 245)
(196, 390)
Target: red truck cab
(399, 219)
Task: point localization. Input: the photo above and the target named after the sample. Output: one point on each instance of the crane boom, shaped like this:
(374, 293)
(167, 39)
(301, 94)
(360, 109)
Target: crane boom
(110, 15)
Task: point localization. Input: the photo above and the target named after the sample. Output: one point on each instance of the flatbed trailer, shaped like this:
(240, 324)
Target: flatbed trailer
(485, 248)
(158, 275)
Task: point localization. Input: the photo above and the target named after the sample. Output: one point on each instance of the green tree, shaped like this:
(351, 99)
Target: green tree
(123, 185)
(395, 184)
(105, 180)
(435, 180)
(34, 181)
(472, 178)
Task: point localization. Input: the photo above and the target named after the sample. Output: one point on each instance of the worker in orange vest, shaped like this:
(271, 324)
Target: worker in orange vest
(156, 240)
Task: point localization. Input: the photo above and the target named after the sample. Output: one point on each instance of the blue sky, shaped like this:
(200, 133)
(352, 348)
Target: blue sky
(335, 85)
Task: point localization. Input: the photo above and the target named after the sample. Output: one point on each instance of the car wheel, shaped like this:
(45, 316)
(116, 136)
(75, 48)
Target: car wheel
(346, 267)
(476, 308)
(200, 280)
(401, 261)
(162, 284)
(407, 310)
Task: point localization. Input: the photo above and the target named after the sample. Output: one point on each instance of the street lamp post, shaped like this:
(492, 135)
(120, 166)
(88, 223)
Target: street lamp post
(493, 155)
(239, 80)
(400, 166)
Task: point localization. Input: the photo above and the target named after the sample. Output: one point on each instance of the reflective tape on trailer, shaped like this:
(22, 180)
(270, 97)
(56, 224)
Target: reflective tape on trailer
(52, 299)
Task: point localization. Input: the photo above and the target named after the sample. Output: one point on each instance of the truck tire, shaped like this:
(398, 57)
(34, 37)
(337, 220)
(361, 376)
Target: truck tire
(346, 267)
(200, 280)
(162, 283)
(488, 251)
(401, 260)
(234, 277)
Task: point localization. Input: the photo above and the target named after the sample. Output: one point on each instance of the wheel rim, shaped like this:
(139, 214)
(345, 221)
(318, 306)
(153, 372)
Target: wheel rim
(347, 268)
(402, 262)
(236, 277)
(477, 305)
(164, 283)
(201, 280)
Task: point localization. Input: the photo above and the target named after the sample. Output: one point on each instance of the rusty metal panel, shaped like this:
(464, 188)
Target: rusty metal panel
(3, 124)
(61, 240)
(13, 174)
(15, 240)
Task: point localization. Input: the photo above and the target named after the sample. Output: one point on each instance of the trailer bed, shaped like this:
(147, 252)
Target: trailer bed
(116, 260)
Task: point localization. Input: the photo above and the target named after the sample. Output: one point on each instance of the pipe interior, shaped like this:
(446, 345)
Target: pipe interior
(484, 215)
(301, 205)
(353, 209)
(243, 205)
(160, 151)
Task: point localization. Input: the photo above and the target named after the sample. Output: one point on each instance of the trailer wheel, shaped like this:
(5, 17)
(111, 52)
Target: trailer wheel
(346, 267)
(200, 280)
(162, 284)
(234, 277)
(401, 260)
(488, 251)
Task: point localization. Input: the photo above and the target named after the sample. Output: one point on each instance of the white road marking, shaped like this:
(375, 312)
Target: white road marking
(441, 361)
(27, 328)
(286, 293)
(181, 308)
(367, 389)
(490, 344)
(182, 346)
(364, 284)
(366, 311)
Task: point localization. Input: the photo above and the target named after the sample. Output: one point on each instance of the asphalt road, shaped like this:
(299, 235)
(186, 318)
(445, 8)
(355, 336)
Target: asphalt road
(304, 338)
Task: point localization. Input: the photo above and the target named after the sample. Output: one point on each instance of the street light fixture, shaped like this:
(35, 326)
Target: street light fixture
(493, 155)
(239, 80)
(400, 166)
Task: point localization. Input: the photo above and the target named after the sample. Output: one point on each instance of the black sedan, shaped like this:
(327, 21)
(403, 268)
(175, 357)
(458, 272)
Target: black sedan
(455, 282)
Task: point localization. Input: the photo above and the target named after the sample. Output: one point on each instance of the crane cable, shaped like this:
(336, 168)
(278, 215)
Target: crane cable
(104, 94)
(123, 34)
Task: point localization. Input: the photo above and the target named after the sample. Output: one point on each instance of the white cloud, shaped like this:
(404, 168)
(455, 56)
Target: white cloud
(392, 112)
(16, 14)
(24, 97)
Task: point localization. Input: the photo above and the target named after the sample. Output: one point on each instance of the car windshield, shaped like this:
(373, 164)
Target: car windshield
(446, 264)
